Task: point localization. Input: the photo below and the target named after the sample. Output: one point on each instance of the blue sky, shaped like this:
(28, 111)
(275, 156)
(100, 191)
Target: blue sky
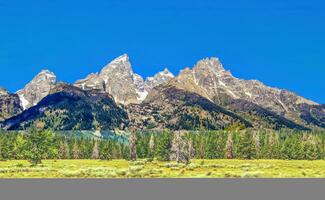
(279, 42)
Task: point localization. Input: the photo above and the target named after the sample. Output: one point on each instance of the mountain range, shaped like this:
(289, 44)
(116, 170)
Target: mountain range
(204, 97)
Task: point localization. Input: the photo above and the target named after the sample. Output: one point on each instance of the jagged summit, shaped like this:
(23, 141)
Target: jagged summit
(122, 58)
(3, 91)
(159, 78)
(120, 63)
(221, 85)
(205, 84)
(46, 73)
(118, 79)
(212, 64)
(37, 89)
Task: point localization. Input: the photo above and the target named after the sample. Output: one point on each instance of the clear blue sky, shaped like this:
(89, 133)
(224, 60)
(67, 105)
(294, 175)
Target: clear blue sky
(280, 42)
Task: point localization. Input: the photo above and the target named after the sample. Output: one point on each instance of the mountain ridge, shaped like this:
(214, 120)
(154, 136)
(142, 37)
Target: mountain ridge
(206, 84)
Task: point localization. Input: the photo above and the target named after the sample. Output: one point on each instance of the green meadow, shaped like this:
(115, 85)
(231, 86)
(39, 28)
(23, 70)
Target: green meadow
(218, 168)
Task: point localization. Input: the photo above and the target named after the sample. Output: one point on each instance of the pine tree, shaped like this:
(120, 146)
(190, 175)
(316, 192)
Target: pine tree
(164, 144)
(39, 145)
(142, 148)
(4, 147)
(20, 146)
(310, 149)
(105, 153)
(215, 145)
(246, 147)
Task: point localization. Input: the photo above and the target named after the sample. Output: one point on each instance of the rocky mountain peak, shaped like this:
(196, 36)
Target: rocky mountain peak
(211, 65)
(120, 64)
(140, 87)
(118, 79)
(37, 89)
(221, 85)
(159, 78)
(3, 91)
(166, 72)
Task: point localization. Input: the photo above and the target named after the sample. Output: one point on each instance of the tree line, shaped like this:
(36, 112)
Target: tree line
(182, 146)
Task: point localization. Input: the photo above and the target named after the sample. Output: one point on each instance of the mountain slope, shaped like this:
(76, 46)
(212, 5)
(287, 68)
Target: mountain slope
(172, 106)
(220, 85)
(261, 117)
(70, 108)
(313, 114)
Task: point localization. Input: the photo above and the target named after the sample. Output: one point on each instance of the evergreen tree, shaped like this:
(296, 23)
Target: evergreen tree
(105, 152)
(39, 145)
(4, 147)
(272, 146)
(20, 146)
(164, 144)
(246, 146)
(142, 148)
(310, 149)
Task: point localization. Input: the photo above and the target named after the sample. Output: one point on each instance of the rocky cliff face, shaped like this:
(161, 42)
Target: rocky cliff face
(118, 79)
(220, 85)
(37, 89)
(92, 82)
(9, 104)
(158, 79)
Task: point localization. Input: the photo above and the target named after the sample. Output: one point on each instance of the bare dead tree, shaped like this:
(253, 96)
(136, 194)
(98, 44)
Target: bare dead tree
(229, 147)
(191, 149)
(132, 143)
(95, 154)
(75, 151)
(64, 152)
(180, 148)
(152, 146)
(257, 141)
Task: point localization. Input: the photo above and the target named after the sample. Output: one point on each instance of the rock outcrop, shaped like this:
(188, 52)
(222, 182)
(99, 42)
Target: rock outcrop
(37, 89)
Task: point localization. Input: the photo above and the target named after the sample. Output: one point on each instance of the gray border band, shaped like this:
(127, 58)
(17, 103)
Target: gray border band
(165, 189)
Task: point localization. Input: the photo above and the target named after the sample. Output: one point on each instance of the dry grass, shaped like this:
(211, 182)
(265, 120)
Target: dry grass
(156, 169)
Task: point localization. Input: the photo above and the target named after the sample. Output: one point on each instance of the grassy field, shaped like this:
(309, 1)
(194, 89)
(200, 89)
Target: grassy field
(155, 169)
